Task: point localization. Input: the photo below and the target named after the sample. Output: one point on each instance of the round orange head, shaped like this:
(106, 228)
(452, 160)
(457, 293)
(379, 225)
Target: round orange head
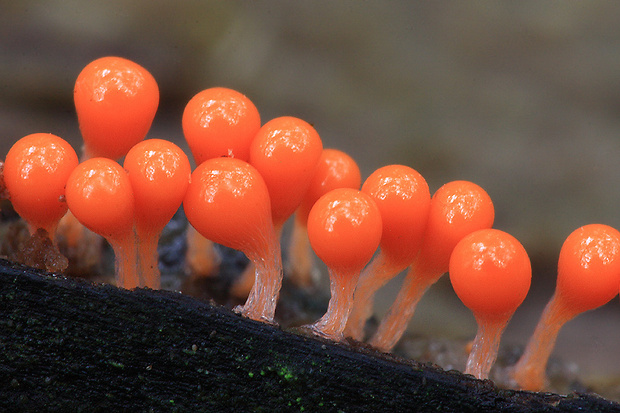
(115, 100)
(457, 208)
(589, 268)
(404, 199)
(159, 172)
(220, 122)
(36, 170)
(335, 170)
(286, 151)
(99, 195)
(227, 202)
(344, 228)
(490, 272)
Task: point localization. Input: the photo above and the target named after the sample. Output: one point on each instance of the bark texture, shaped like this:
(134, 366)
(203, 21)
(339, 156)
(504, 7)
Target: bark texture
(69, 345)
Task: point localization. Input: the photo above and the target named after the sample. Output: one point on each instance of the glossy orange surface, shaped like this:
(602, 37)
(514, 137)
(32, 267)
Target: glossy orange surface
(36, 170)
(335, 169)
(344, 228)
(589, 267)
(286, 152)
(457, 208)
(99, 194)
(491, 273)
(220, 122)
(227, 202)
(116, 100)
(159, 172)
(403, 198)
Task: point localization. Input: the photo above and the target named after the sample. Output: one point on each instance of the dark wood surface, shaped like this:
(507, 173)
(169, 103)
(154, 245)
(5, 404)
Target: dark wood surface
(69, 345)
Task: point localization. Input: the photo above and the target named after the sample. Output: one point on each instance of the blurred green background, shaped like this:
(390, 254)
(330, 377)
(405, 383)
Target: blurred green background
(519, 97)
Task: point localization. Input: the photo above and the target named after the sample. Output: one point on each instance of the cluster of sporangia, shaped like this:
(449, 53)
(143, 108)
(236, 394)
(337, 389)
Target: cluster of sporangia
(250, 179)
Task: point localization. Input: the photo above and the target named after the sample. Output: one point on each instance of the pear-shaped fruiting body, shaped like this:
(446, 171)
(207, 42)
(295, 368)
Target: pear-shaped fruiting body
(36, 171)
(344, 228)
(220, 122)
(115, 100)
(100, 196)
(227, 201)
(491, 273)
(286, 151)
(159, 172)
(588, 277)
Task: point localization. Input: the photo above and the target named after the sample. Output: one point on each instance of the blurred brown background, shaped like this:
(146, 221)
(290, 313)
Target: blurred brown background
(519, 97)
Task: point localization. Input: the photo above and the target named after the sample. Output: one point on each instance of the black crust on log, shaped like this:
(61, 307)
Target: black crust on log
(68, 345)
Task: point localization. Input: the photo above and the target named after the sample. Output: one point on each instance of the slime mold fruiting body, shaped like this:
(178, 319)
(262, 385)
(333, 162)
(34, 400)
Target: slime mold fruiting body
(220, 122)
(36, 171)
(159, 172)
(227, 201)
(115, 100)
(588, 277)
(344, 227)
(100, 196)
(490, 271)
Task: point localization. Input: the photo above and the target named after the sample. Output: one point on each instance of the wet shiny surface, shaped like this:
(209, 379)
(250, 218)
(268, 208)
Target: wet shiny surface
(491, 273)
(115, 80)
(115, 100)
(457, 209)
(227, 202)
(159, 172)
(335, 169)
(220, 122)
(344, 228)
(589, 267)
(397, 181)
(35, 173)
(286, 151)
(403, 197)
(99, 194)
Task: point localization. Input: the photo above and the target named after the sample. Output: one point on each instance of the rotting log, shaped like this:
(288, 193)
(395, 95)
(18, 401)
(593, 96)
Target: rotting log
(70, 345)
